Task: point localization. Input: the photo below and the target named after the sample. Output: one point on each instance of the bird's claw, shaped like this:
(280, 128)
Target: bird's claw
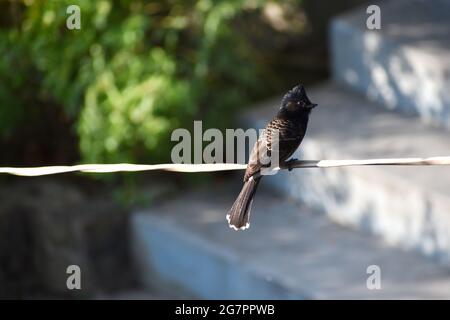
(289, 164)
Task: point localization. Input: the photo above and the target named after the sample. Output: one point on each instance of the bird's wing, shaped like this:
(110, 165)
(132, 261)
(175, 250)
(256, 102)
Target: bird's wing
(259, 150)
(289, 138)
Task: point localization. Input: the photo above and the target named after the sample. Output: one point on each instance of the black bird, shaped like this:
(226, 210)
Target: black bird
(291, 122)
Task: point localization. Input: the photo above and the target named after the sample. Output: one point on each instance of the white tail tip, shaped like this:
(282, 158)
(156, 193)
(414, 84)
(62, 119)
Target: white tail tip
(247, 225)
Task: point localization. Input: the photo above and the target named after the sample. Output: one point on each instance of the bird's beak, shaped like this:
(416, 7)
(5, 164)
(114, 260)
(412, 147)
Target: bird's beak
(312, 105)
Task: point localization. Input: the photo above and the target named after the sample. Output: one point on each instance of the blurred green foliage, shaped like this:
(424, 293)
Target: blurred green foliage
(134, 72)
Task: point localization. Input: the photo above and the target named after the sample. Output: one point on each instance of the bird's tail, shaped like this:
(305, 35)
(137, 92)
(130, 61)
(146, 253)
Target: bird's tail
(239, 215)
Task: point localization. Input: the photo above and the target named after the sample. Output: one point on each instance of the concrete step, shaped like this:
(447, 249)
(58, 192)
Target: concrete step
(406, 64)
(290, 251)
(407, 206)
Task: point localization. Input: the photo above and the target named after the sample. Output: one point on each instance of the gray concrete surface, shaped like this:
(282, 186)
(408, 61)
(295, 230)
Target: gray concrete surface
(289, 251)
(406, 64)
(406, 206)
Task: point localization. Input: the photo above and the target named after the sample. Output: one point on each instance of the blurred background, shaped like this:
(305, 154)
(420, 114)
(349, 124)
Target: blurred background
(114, 90)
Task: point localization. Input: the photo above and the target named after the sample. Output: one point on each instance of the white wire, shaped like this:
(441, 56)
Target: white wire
(128, 167)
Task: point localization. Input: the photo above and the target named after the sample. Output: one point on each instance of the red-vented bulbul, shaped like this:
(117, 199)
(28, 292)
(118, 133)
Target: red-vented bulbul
(291, 122)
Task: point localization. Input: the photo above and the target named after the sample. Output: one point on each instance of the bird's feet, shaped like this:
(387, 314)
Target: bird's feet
(289, 163)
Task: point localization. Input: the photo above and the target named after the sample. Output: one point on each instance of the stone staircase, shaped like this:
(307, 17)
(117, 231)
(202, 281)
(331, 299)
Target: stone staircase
(405, 65)
(408, 206)
(290, 252)
(389, 97)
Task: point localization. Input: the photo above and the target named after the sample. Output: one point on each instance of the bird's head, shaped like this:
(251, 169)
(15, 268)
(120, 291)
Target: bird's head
(296, 102)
